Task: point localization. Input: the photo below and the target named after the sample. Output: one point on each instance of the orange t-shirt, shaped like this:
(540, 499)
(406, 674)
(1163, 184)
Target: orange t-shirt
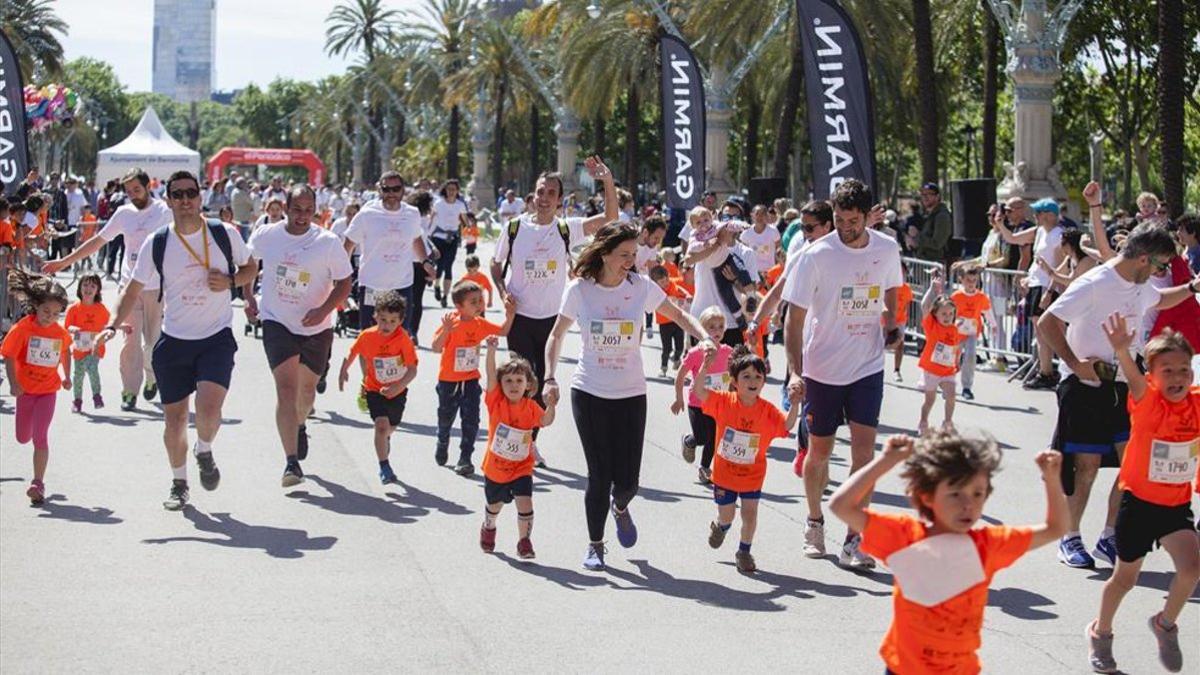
(8, 234)
(971, 306)
(904, 298)
(388, 357)
(510, 458)
(1164, 441)
(743, 436)
(942, 638)
(773, 275)
(37, 351)
(87, 227)
(673, 290)
(470, 234)
(755, 342)
(90, 320)
(460, 351)
(690, 288)
(940, 356)
(672, 269)
(481, 279)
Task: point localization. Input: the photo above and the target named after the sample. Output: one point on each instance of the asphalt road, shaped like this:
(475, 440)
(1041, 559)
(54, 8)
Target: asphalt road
(342, 573)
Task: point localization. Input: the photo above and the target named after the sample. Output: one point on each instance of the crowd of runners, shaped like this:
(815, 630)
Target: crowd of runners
(825, 275)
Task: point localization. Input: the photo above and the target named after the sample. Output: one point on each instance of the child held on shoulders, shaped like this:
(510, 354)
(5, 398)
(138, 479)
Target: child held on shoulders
(473, 274)
(941, 562)
(509, 460)
(388, 360)
(457, 340)
(34, 349)
(973, 307)
(670, 332)
(85, 319)
(746, 424)
(939, 359)
(716, 378)
(1158, 468)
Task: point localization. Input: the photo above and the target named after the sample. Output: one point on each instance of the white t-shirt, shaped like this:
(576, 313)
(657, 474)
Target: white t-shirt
(646, 257)
(512, 209)
(539, 266)
(706, 284)
(339, 227)
(445, 217)
(763, 244)
(842, 289)
(75, 203)
(137, 226)
(1091, 299)
(610, 325)
(190, 310)
(1044, 246)
(298, 273)
(385, 240)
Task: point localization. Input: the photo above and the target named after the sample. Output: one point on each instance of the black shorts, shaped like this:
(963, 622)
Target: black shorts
(379, 405)
(281, 344)
(1091, 419)
(495, 492)
(180, 364)
(1141, 524)
(1033, 300)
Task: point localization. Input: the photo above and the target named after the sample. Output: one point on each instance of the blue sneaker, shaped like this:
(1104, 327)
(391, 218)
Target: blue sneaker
(387, 476)
(1106, 549)
(626, 530)
(1072, 553)
(594, 558)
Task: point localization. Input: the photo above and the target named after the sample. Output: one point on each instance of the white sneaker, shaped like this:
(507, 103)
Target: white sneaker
(814, 539)
(853, 557)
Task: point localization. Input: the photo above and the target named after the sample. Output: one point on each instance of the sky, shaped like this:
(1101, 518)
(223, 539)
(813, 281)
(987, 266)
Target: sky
(257, 40)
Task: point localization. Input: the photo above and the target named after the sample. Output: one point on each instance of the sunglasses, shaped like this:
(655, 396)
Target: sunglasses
(809, 228)
(1160, 265)
(186, 193)
(391, 189)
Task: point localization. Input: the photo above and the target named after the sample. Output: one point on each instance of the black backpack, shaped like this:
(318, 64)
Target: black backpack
(216, 229)
(564, 231)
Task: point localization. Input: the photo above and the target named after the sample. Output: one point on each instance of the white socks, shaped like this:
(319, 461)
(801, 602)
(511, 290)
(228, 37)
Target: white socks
(180, 471)
(201, 447)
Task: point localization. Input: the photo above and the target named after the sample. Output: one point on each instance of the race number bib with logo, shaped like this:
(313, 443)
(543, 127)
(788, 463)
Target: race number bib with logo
(717, 381)
(965, 326)
(389, 369)
(1174, 462)
(616, 336)
(43, 351)
(466, 359)
(955, 558)
(511, 444)
(291, 282)
(739, 447)
(943, 354)
(85, 341)
(861, 301)
(541, 271)
(369, 297)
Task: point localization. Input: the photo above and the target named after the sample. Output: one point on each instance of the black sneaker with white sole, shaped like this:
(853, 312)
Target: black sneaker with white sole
(293, 475)
(150, 391)
(178, 497)
(302, 443)
(210, 475)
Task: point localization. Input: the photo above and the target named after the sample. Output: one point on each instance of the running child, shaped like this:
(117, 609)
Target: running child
(670, 260)
(473, 274)
(939, 359)
(457, 340)
(669, 331)
(904, 298)
(746, 425)
(1157, 470)
(716, 378)
(33, 350)
(85, 319)
(388, 360)
(470, 235)
(973, 307)
(508, 462)
(942, 564)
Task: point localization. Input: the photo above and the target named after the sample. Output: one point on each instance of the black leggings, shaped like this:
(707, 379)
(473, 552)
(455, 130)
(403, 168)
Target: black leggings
(704, 434)
(420, 281)
(611, 432)
(672, 341)
(528, 338)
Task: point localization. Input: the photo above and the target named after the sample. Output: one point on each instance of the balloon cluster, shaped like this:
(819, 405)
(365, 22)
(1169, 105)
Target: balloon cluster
(53, 103)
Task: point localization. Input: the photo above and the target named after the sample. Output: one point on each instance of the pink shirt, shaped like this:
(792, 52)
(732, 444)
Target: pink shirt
(691, 363)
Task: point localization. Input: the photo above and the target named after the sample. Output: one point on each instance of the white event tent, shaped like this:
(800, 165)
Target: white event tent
(149, 147)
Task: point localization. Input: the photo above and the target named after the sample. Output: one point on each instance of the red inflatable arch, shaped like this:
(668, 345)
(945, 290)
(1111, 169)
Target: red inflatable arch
(269, 156)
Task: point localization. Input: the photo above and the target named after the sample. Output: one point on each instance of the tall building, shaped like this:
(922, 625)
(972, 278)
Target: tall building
(185, 49)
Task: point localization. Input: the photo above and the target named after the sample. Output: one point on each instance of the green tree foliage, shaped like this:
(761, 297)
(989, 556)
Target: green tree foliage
(34, 28)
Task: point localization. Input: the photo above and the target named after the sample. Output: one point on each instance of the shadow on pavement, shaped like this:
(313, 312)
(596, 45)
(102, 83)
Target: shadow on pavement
(561, 477)
(116, 421)
(13, 479)
(568, 579)
(340, 420)
(1159, 581)
(277, 542)
(427, 500)
(1020, 603)
(959, 400)
(346, 502)
(97, 515)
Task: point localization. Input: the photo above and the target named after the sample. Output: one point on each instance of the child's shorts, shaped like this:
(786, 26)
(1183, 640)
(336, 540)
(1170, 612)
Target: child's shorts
(495, 492)
(725, 497)
(1141, 524)
(929, 382)
(379, 405)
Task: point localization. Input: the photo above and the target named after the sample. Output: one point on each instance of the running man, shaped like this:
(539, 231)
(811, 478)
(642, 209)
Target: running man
(307, 275)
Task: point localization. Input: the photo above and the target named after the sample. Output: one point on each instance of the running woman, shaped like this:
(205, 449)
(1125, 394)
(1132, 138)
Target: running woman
(448, 209)
(85, 319)
(608, 389)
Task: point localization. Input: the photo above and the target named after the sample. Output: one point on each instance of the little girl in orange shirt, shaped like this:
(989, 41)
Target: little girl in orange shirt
(939, 359)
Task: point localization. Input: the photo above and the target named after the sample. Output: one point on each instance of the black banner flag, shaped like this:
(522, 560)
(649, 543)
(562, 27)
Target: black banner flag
(683, 123)
(14, 146)
(840, 115)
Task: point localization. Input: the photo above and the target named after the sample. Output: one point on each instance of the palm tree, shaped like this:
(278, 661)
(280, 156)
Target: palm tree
(1171, 55)
(31, 26)
(445, 38)
(927, 102)
(361, 25)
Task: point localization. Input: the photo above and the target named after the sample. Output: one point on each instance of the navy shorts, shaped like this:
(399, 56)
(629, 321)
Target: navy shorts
(180, 364)
(724, 497)
(829, 406)
(496, 493)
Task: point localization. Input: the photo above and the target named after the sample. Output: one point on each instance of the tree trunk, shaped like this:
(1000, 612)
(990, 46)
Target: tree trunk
(498, 131)
(791, 102)
(535, 161)
(1141, 161)
(599, 136)
(991, 86)
(753, 122)
(401, 129)
(927, 136)
(1127, 173)
(337, 162)
(452, 149)
(633, 120)
(1170, 102)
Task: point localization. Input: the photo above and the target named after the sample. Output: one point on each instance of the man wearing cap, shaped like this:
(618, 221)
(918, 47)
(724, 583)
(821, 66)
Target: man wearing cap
(937, 228)
(1047, 254)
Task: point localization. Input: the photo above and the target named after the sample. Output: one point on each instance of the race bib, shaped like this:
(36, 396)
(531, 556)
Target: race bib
(739, 447)
(953, 556)
(466, 358)
(860, 301)
(291, 282)
(614, 336)
(965, 326)
(511, 444)
(1173, 463)
(85, 341)
(717, 381)
(43, 351)
(541, 271)
(389, 369)
(943, 354)
(195, 292)
(369, 297)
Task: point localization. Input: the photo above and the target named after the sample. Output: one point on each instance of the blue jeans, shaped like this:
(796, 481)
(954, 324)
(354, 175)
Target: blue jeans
(453, 397)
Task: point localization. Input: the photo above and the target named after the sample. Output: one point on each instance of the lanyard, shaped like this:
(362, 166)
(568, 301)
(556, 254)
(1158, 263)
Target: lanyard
(192, 251)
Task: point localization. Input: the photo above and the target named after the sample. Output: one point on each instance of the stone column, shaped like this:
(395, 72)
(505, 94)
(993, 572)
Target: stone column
(483, 193)
(717, 118)
(566, 132)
